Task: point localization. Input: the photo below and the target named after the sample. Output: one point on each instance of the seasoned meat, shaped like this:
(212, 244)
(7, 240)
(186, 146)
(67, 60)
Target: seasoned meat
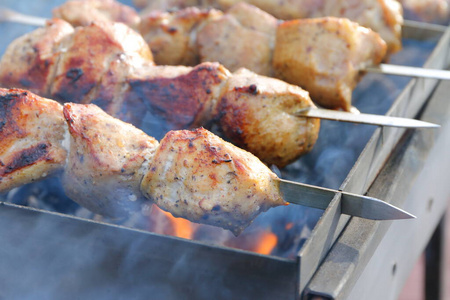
(258, 113)
(32, 134)
(329, 73)
(87, 58)
(382, 16)
(198, 176)
(171, 35)
(83, 12)
(117, 73)
(185, 97)
(107, 161)
(30, 61)
(244, 37)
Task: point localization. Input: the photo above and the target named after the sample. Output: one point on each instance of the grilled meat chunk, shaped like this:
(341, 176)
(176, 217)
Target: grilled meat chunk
(87, 58)
(32, 134)
(255, 110)
(171, 36)
(198, 176)
(329, 73)
(107, 161)
(244, 37)
(118, 74)
(30, 61)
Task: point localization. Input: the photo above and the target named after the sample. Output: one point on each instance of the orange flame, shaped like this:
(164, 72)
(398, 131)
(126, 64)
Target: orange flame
(165, 223)
(162, 222)
(267, 241)
(181, 227)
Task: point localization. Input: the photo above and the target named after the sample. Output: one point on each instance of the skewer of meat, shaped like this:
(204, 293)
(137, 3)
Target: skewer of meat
(110, 65)
(112, 168)
(383, 16)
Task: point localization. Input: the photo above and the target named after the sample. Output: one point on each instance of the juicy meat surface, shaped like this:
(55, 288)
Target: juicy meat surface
(258, 113)
(185, 97)
(171, 35)
(244, 37)
(382, 16)
(198, 176)
(107, 160)
(30, 60)
(329, 73)
(32, 133)
(87, 58)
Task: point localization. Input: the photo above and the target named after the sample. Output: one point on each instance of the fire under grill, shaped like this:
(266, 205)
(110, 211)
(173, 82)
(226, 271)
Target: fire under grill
(52, 248)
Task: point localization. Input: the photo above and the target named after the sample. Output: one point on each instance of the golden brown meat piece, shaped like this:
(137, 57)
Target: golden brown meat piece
(110, 167)
(107, 161)
(171, 35)
(258, 114)
(87, 58)
(383, 16)
(329, 73)
(185, 97)
(32, 134)
(83, 12)
(198, 176)
(244, 37)
(117, 73)
(30, 61)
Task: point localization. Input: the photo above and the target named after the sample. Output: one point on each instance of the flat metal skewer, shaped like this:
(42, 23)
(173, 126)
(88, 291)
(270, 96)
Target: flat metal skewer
(351, 204)
(8, 15)
(360, 118)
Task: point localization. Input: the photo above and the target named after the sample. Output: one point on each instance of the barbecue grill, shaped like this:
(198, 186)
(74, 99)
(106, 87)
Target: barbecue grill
(52, 253)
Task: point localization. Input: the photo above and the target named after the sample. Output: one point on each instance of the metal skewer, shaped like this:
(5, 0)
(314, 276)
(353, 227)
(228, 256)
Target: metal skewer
(361, 118)
(351, 204)
(8, 15)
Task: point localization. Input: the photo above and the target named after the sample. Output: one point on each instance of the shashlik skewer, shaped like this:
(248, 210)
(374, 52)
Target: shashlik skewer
(382, 16)
(254, 112)
(111, 167)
